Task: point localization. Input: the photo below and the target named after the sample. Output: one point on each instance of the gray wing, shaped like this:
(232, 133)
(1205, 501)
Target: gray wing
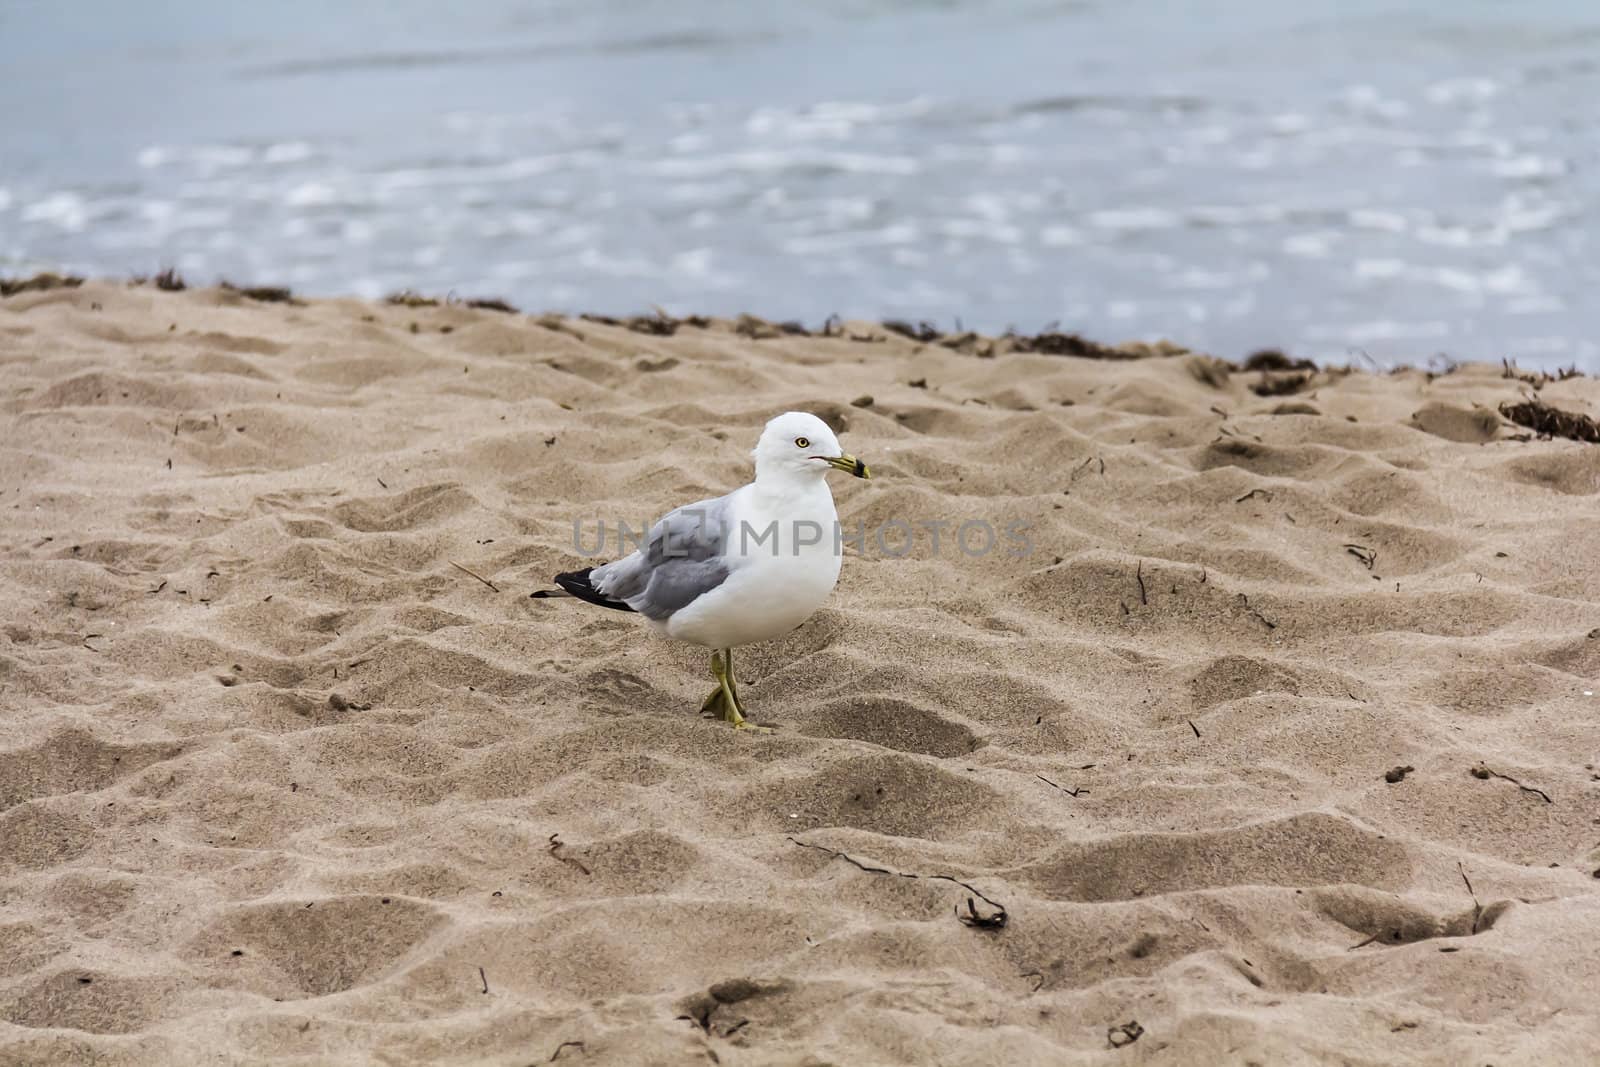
(682, 560)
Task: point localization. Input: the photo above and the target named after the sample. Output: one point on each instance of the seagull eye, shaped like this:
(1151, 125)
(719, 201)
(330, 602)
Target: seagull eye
(802, 442)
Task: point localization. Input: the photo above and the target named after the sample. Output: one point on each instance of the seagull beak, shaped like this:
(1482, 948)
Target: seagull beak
(850, 463)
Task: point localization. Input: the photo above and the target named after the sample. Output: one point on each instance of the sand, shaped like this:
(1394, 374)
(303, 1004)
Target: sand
(281, 784)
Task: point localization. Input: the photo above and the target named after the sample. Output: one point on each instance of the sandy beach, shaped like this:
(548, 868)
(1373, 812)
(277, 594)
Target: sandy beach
(1280, 744)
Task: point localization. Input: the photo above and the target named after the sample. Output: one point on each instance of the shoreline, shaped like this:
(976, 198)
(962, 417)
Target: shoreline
(1049, 341)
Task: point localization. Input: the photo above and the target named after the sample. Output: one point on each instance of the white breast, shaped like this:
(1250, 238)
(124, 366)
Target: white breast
(786, 560)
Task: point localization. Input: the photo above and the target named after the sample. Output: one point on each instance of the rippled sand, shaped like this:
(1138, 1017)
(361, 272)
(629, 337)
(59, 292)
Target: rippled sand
(278, 783)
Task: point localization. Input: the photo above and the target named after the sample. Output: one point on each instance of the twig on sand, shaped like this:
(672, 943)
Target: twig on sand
(564, 1046)
(1477, 909)
(1070, 792)
(973, 917)
(1268, 623)
(1482, 772)
(556, 845)
(1367, 556)
(484, 979)
(1138, 574)
(474, 574)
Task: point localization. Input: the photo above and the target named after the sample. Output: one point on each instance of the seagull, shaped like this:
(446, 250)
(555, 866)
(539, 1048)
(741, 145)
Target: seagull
(736, 569)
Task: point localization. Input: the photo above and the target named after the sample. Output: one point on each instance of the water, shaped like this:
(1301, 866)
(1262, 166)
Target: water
(1396, 179)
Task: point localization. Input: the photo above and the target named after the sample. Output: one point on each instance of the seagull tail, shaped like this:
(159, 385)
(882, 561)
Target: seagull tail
(576, 583)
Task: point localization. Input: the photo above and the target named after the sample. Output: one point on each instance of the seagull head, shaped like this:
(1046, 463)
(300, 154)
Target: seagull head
(799, 444)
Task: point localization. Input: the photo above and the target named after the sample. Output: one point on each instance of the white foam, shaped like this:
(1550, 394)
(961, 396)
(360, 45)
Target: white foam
(65, 210)
(287, 152)
(312, 194)
(1530, 166)
(1462, 91)
(1141, 218)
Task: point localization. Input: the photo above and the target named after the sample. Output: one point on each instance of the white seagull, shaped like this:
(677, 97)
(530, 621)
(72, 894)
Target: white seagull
(746, 567)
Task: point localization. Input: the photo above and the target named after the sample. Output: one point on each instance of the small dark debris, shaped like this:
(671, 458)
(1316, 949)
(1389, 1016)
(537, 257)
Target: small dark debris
(918, 383)
(1367, 556)
(995, 920)
(1397, 774)
(563, 1047)
(555, 847)
(861, 402)
(1124, 1035)
(237, 952)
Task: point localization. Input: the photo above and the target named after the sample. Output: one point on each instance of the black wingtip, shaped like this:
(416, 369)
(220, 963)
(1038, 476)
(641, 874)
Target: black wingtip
(577, 583)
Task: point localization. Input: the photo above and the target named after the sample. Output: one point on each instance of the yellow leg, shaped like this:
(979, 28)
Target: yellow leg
(726, 698)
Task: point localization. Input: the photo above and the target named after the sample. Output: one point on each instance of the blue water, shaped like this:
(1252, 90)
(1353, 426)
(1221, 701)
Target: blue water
(1395, 179)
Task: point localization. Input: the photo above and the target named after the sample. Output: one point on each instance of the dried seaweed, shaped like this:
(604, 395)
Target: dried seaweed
(922, 331)
(410, 298)
(1272, 359)
(266, 294)
(1552, 422)
(755, 328)
(1053, 343)
(170, 281)
(491, 304)
(38, 283)
(1538, 379)
(658, 325)
(1281, 384)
